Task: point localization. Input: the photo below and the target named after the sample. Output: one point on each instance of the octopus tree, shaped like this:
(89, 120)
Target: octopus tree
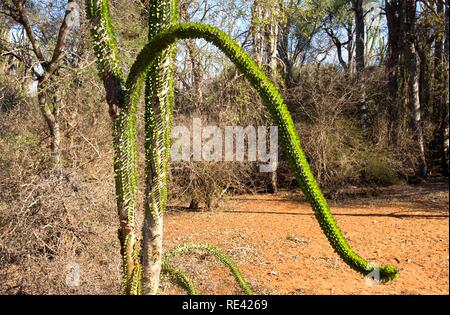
(153, 70)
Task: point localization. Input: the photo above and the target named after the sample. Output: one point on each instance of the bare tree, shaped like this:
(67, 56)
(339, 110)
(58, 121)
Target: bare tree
(44, 61)
(411, 64)
(393, 18)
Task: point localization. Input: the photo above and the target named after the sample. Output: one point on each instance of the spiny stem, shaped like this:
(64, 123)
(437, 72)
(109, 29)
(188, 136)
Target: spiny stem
(224, 259)
(280, 115)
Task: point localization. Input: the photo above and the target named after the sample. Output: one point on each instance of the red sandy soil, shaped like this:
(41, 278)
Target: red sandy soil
(278, 245)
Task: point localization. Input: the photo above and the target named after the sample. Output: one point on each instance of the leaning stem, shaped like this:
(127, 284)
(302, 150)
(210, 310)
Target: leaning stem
(280, 115)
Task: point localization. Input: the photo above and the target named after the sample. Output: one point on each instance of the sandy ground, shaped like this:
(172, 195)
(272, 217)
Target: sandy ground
(278, 245)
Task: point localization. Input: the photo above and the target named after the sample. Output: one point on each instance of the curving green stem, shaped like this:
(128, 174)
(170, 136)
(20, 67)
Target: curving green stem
(178, 277)
(224, 259)
(141, 270)
(154, 65)
(280, 115)
(123, 107)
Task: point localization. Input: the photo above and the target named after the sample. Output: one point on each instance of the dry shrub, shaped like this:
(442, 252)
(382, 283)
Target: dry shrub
(227, 101)
(325, 105)
(50, 220)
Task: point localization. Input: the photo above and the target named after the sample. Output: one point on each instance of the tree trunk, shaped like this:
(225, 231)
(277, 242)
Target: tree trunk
(272, 40)
(272, 45)
(283, 49)
(197, 75)
(413, 85)
(440, 100)
(152, 240)
(51, 117)
(194, 204)
(393, 17)
(360, 34)
(158, 123)
(445, 115)
(265, 31)
(257, 34)
(360, 58)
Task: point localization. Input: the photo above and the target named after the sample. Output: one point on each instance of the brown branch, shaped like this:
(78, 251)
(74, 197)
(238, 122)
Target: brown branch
(62, 37)
(21, 18)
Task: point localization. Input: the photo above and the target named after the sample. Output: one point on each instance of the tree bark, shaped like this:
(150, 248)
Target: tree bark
(440, 95)
(360, 34)
(414, 105)
(393, 17)
(265, 31)
(51, 117)
(257, 34)
(360, 58)
(445, 115)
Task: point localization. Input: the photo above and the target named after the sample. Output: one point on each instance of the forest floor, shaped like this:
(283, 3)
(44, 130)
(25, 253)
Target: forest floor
(278, 245)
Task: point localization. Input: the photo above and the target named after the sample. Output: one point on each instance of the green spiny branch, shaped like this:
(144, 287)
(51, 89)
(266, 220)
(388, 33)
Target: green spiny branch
(280, 115)
(155, 65)
(178, 277)
(159, 98)
(123, 107)
(224, 259)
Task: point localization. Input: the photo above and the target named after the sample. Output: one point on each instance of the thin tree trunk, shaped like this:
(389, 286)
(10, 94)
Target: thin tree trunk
(197, 75)
(360, 34)
(440, 100)
(272, 43)
(393, 17)
(445, 115)
(413, 85)
(158, 117)
(257, 18)
(360, 58)
(283, 49)
(51, 117)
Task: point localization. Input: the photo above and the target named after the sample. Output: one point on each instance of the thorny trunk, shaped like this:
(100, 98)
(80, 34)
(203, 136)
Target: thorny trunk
(152, 244)
(158, 126)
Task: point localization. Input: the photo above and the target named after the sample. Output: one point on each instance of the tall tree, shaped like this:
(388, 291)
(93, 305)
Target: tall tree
(360, 40)
(292, 42)
(440, 95)
(265, 27)
(45, 61)
(360, 31)
(413, 96)
(394, 21)
(265, 24)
